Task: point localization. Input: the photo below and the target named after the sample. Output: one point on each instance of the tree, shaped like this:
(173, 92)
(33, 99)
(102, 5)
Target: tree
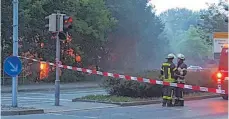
(177, 22)
(194, 47)
(213, 20)
(177, 19)
(7, 28)
(135, 40)
(92, 23)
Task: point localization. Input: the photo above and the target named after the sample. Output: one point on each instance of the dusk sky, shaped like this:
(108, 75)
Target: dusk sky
(163, 5)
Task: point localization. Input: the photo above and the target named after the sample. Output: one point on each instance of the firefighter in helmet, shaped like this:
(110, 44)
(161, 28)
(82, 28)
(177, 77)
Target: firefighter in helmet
(167, 74)
(180, 78)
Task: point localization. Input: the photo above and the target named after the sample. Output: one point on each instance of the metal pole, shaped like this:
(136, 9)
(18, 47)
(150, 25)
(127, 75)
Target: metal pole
(15, 50)
(57, 81)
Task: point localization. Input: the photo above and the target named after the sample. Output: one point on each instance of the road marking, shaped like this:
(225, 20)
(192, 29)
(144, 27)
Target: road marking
(64, 92)
(36, 98)
(119, 114)
(90, 117)
(85, 109)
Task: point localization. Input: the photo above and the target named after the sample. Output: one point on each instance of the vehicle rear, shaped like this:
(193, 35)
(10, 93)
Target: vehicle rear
(221, 76)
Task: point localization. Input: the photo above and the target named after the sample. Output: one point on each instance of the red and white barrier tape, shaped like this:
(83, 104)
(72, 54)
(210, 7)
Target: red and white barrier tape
(139, 79)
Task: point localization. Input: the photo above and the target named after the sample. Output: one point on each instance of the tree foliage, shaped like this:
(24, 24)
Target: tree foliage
(121, 34)
(98, 25)
(92, 22)
(213, 20)
(193, 40)
(177, 22)
(135, 39)
(190, 32)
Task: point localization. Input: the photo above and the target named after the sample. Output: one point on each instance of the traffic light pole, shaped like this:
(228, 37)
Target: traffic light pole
(15, 50)
(57, 81)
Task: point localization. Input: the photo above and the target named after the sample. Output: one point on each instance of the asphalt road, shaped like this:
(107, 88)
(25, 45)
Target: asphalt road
(214, 108)
(46, 97)
(45, 100)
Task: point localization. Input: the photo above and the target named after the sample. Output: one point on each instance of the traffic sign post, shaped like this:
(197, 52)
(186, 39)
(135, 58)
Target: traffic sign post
(57, 81)
(13, 67)
(60, 24)
(15, 50)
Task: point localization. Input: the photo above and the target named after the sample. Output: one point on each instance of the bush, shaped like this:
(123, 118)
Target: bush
(203, 78)
(122, 87)
(127, 88)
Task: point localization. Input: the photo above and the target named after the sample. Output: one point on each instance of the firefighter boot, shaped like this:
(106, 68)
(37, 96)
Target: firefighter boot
(182, 103)
(164, 102)
(169, 103)
(176, 103)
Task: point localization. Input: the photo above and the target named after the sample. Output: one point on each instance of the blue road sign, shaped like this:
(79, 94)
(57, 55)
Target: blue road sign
(12, 66)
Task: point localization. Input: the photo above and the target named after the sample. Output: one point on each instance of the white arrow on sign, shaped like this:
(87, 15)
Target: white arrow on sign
(15, 69)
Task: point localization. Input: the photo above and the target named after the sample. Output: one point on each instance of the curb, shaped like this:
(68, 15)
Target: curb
(121, 103)
(144, 102)
(22, 112)
(201, 97)
(48, 89)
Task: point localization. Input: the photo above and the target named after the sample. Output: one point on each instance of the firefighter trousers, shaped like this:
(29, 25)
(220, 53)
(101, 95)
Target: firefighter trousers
(167, 92)
(179, 93)
(179, 101)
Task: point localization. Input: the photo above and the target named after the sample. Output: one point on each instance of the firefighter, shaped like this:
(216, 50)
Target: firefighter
(180, 78)
(167, 75)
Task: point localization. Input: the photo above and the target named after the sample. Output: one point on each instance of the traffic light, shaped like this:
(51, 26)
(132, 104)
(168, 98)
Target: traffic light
(59, 23)
(44, 70)
(51, 22)
(67, 23)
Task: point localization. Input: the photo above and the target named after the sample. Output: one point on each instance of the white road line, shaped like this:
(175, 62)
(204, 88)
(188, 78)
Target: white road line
(36, 98)
(90, 117)
(63, 92)
(119, 114)
(86, 109)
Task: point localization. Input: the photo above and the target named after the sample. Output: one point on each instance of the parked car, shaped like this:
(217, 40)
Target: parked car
(195, 68)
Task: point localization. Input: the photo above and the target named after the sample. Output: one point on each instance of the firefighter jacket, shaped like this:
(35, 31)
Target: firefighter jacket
(167, 71)
(180, 73)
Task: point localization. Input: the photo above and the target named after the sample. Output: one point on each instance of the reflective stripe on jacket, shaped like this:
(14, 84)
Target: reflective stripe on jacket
(167, 71)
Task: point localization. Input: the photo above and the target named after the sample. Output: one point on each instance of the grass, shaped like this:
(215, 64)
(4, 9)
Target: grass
(112, 98)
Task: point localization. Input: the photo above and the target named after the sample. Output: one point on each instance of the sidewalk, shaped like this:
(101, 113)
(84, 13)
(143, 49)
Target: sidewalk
(51, 86)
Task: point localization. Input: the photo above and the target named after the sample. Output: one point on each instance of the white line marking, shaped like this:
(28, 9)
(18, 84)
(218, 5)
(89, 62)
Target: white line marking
(86, 109)
(90, 117)
(36, 98)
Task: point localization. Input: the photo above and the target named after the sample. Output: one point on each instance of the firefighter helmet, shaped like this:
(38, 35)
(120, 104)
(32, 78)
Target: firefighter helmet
(170, 56)
(181, 56)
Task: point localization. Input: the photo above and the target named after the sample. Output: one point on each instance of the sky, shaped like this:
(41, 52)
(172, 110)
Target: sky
(163, 5)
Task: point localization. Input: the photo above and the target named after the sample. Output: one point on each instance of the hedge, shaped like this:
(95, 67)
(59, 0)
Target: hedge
(130, 88)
